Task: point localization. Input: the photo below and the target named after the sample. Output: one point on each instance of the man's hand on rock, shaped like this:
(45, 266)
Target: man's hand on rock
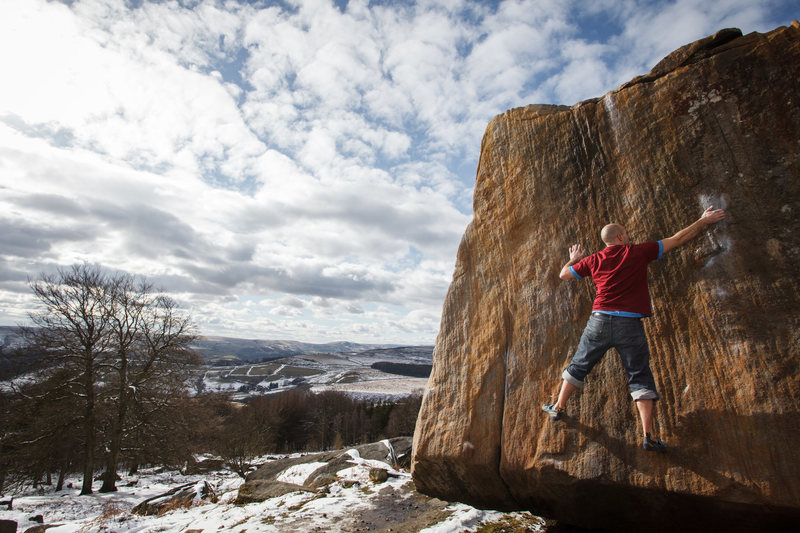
(576, 253)
(711, 216)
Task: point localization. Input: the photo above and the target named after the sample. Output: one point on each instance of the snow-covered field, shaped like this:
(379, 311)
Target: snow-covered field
(391, 388)
(344, 507)
(348, 373)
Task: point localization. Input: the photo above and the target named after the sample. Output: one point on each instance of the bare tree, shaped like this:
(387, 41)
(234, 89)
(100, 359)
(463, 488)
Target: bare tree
(73, 331)
(126, 307)
(152, 363)
(121, 345)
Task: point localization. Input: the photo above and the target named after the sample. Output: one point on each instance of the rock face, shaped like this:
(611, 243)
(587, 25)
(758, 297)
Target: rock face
(715, 123)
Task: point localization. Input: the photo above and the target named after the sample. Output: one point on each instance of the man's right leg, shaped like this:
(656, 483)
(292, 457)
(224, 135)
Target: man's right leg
(650, 443)
(635, 355)
(645, 408)
(593, 345)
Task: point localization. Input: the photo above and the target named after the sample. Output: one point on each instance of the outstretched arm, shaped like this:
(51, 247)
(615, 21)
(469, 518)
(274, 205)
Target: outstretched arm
(710, 216)
(576, 253)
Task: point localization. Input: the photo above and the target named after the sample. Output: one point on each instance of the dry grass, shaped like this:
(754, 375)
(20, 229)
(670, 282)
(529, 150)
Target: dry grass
(112, 511)
(514, 524)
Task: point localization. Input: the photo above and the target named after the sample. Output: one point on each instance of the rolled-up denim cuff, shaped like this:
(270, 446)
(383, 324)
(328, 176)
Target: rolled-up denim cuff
(644, 394)
(572, 380)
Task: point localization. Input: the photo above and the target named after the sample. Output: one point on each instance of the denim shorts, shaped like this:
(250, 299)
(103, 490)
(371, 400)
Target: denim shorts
(627, 336)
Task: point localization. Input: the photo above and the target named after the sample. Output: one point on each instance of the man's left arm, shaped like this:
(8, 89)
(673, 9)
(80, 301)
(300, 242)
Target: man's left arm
(576, 253)
(710, 216)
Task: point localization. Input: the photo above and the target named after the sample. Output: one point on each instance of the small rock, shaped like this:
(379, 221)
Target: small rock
(322, 480)
(378, 475)
(41, 529)
(8, 526)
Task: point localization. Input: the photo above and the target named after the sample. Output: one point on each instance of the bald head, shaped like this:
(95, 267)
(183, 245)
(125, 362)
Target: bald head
(614, 234)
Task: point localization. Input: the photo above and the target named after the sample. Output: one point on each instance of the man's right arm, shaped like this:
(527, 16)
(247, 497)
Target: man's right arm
(576, 253)
(710, 216)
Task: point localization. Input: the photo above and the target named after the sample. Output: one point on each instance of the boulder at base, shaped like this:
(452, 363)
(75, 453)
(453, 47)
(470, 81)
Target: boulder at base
(183, 496)
(315, 471)
(716, 123)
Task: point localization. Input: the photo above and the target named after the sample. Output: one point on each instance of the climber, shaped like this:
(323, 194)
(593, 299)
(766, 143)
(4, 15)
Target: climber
(619, 273)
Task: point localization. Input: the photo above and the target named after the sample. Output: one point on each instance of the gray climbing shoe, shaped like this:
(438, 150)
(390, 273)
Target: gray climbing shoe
(654, 445)
(550, 409)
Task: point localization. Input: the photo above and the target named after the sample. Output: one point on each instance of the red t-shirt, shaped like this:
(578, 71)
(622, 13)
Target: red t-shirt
(620, 274)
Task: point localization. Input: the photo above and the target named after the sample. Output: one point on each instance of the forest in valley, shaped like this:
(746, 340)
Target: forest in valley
(108, 385)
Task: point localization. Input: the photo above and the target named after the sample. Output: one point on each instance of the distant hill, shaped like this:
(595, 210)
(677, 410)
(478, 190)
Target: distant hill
(252, 367)
(9, 338)
(229, 349)
(407, 352)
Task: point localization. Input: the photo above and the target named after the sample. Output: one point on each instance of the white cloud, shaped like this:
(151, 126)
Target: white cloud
(291, 301)
(301, 172)
(654, 29)
(285, 311)
(117, 94)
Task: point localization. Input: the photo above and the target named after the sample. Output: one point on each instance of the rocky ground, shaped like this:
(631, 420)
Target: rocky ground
(363, 489)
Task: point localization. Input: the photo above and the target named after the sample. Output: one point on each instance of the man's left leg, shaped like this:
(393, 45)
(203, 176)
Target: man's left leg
(646, 414)
(631, 343)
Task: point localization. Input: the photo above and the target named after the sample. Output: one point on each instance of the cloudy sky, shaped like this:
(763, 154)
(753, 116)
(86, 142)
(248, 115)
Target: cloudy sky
(298, 169)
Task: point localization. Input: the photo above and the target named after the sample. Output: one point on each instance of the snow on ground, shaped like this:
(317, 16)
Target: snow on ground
(464, 518)
(355, 458)
(88, 513)
(334, 511)
(298, 474)
(381, 387)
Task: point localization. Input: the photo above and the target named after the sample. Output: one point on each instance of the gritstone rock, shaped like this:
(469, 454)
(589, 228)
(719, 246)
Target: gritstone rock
(378, 475)
(264, 483)
(715, 123)
(183, 496)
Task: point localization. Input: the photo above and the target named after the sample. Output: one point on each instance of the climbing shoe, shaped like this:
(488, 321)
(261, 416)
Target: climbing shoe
(654, 445)
(550, 409)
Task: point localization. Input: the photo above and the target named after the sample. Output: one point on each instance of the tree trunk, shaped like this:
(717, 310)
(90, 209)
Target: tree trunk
(112, 459)
(134, 467)
(88, 423)
(62, 473)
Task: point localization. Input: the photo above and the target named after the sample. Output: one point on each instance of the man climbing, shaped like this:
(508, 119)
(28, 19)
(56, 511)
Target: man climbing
(619, 273)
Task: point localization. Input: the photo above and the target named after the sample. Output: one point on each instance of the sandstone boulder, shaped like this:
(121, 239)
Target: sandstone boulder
(266, 482)
(203, 465)
(183, 496)
(715, 123)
